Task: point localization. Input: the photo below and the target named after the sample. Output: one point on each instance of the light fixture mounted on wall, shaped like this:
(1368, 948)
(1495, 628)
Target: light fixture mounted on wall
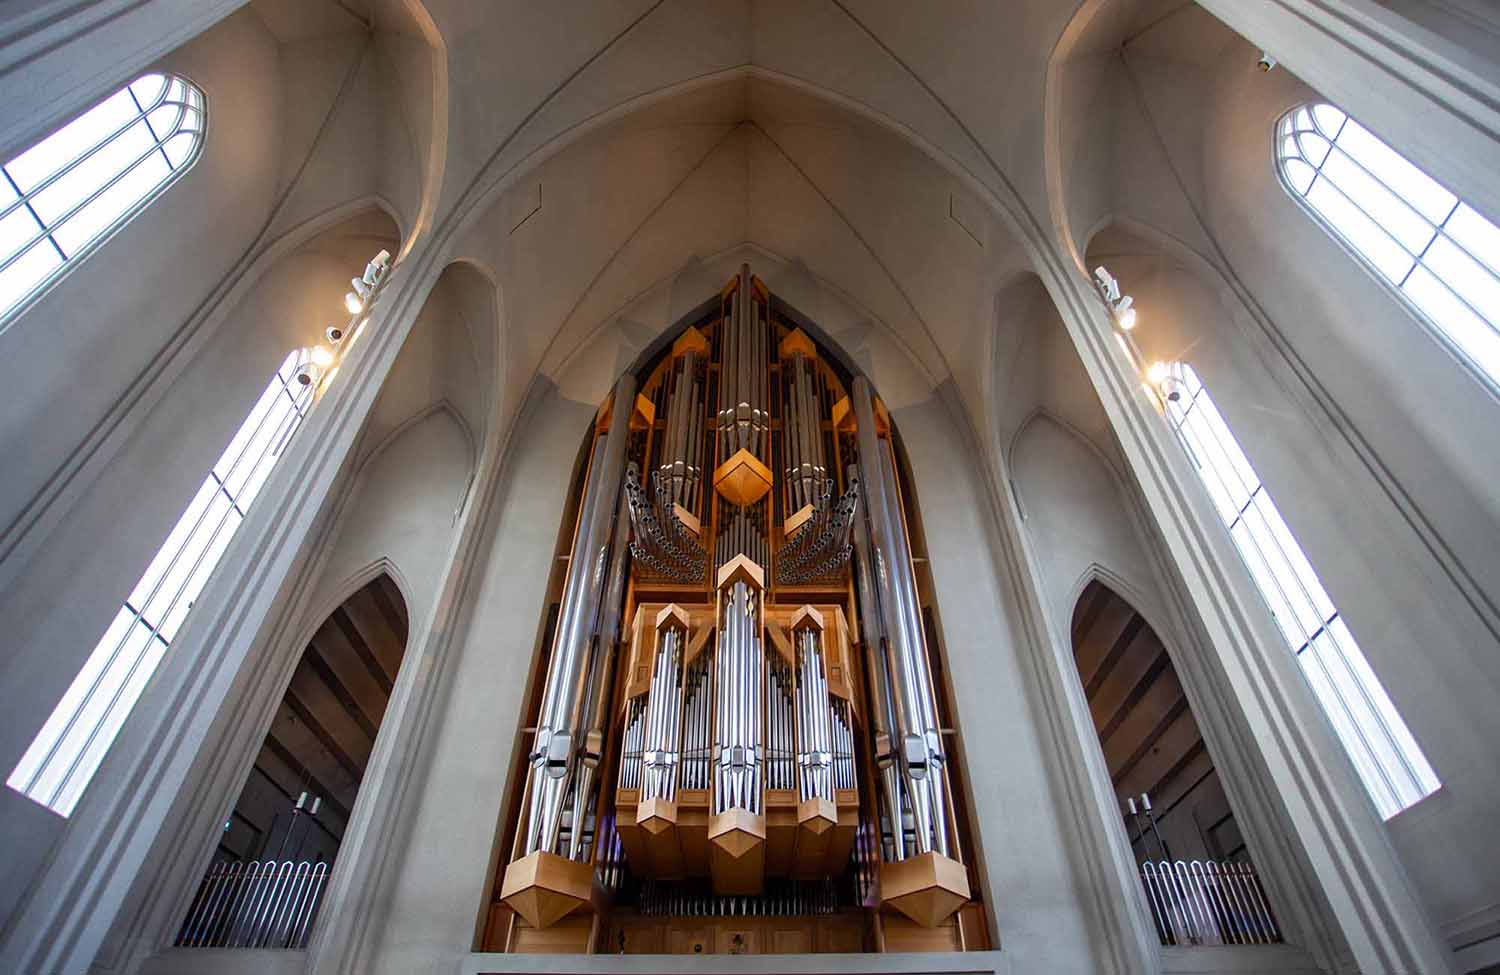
(1122, 307)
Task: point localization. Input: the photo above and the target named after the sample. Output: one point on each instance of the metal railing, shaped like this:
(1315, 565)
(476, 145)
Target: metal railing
(255, 904)
(1208, 903)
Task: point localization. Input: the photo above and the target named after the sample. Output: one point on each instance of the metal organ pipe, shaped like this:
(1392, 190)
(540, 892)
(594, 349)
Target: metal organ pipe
(552, 755)
(919, 747)
(601, 678)
(882, 711)
(816, 757)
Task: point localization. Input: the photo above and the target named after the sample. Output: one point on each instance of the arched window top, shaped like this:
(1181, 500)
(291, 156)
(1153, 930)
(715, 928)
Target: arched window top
(70, 191)
(1436, 250)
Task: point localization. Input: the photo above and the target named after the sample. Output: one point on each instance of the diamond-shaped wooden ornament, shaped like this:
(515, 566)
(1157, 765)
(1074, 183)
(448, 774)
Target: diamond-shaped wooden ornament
(742, 479)
(797, 343)
(742, 568)
(817, 815)
(737, 852)
(690, 340)
(657, 815)
(807, 618)
(544, 887)
(927, 888)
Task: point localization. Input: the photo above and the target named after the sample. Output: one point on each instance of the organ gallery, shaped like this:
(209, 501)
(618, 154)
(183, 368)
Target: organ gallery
(737, 740)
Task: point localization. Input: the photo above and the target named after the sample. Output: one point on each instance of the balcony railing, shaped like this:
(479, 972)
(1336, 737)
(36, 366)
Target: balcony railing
(255, 905)
(1208, 903)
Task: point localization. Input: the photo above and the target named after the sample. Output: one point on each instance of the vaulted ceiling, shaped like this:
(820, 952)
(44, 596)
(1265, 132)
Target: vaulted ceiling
(890, 168)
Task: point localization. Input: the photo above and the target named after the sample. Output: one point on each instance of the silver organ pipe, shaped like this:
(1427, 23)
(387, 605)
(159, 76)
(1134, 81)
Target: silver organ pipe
(781, 744)
(632, 750)
(917, 741)
(802, 434)
(664, 719)
(743, 417)
(601, 681)
(843, 746)
(882, 707)
(681, 458)
(816, 718)
(697, 744)
(737, 735)
(553, 753)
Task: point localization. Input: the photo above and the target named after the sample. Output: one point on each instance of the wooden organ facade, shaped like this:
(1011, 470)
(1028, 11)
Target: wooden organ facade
(737, 743)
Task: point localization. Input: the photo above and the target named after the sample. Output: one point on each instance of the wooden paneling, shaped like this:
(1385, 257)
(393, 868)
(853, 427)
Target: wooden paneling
(827, 934)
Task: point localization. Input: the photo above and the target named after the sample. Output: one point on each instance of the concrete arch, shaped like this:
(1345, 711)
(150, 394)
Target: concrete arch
(412, 19)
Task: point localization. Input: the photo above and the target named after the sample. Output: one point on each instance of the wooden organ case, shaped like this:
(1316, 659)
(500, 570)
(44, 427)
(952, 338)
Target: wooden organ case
(738, 742)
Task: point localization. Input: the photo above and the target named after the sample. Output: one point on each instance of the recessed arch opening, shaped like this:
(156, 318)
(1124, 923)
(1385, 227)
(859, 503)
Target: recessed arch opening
(280, 840)
(1196, 870)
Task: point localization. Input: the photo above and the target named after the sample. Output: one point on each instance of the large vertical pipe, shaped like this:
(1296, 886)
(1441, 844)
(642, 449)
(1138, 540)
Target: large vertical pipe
(562, 700)
(920, 745)
(882, 711)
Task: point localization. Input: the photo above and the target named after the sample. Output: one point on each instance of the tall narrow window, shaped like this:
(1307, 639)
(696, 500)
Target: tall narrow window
(1430, 245)
(70, 746)
(1384, 752)
(71, 190)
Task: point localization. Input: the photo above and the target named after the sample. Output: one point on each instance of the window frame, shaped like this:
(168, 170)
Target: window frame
(56, 770)
(70, 262)
(1490, 382)
(1232, 472)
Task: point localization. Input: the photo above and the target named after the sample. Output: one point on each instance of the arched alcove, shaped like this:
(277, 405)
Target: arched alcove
(1196, 869)
(264, 884)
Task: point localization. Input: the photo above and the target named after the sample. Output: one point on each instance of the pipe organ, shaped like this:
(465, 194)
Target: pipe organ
(738, 715)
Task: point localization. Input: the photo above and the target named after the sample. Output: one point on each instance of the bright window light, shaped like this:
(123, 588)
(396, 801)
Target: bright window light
(67, 751)
(1431, 246)
(77, 186)
(1384, 752)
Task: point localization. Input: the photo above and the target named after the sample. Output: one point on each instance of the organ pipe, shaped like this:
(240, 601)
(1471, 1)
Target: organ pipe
(917, 741)
(553, 751)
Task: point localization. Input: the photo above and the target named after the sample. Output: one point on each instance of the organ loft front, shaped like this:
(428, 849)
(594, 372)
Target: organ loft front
(738, 737)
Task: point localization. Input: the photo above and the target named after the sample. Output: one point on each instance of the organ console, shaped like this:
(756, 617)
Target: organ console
(738, 719)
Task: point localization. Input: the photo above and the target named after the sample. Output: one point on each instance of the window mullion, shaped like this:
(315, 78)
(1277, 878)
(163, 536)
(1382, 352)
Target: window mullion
(41, 224)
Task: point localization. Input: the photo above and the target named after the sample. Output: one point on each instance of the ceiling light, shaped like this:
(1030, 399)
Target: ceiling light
(354, 303)
(321, 356)
(1157, 373)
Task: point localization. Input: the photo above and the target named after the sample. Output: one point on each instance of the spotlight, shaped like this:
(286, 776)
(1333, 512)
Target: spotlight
(1266, 62)
(308, 374)
(1108, 286)
(1157, 373)
(1125, 313)
(354, 303)
(321, 357)
(377, 267)
(334, 334)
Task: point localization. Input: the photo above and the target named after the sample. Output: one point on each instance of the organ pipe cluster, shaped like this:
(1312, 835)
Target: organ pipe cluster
(725, 749)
